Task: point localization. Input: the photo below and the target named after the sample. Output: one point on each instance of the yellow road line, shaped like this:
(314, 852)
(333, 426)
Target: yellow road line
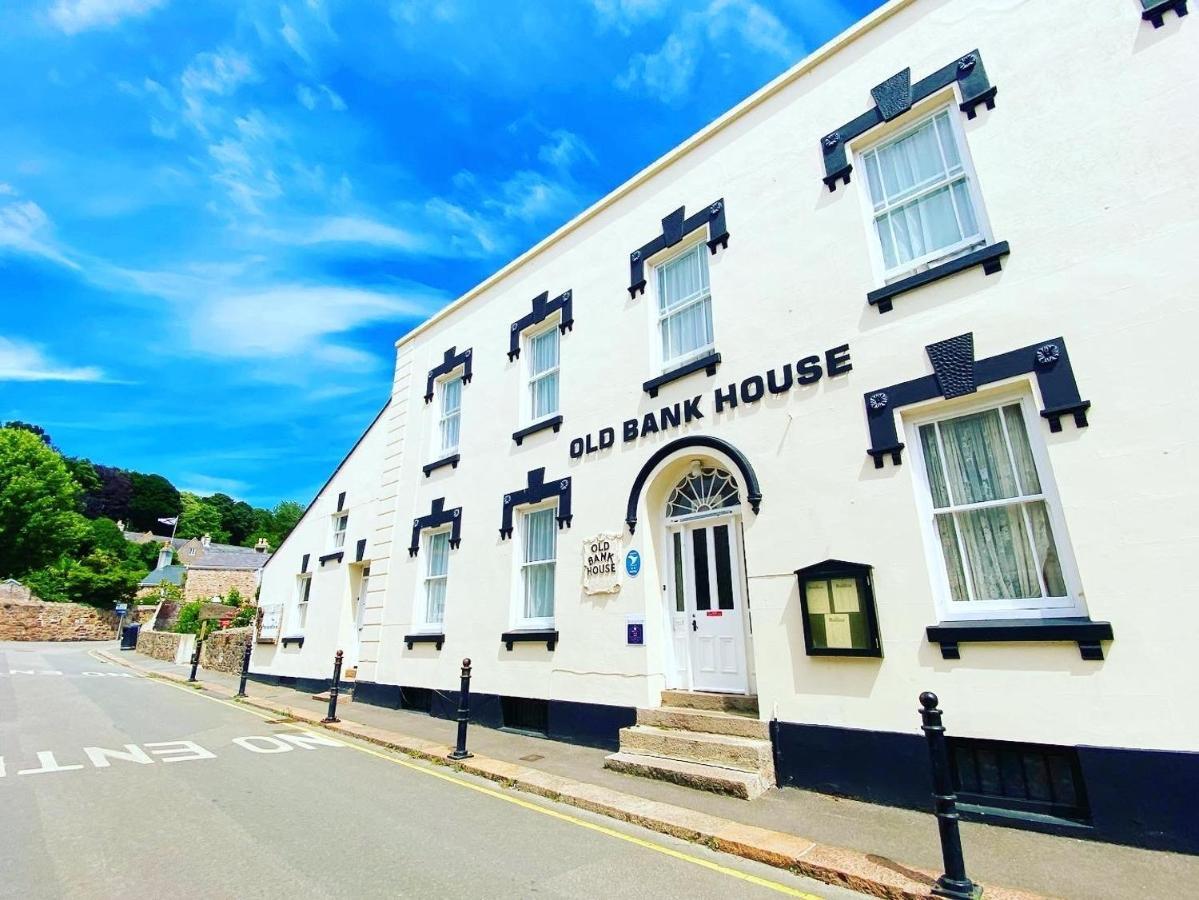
(534, 807)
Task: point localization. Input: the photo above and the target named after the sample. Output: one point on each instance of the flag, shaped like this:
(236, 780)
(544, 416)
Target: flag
(171, 521)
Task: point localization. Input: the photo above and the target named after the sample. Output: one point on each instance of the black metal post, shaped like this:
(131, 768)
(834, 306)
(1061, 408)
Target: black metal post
(196, 659)
(332, 715)
(245, 667)
(954, 883)
(460, 751)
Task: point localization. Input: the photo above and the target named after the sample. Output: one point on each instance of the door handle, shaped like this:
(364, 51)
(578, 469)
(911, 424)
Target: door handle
(694, 627)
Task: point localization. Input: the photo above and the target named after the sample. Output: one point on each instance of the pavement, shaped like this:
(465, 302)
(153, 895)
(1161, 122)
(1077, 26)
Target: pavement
(115, 783)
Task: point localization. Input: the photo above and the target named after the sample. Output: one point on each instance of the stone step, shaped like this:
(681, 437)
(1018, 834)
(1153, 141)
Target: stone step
(741, 703)
(345, 694)
(718, 780)
(707, 721)
(730, 751)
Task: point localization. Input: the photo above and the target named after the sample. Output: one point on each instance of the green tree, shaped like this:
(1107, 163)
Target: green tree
(32, 429)
(38, 498)
(239, 522)
(103, 534)
(100, 579)
(189, 618)
(153, 498)
(199, 518)
(85, 476)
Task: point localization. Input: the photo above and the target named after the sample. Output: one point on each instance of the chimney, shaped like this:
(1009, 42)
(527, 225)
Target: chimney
(165, 554)
(121, 525)
(205, 541)
(263, 545)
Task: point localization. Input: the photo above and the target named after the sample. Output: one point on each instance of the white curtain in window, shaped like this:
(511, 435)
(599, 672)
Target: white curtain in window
(435, 582)
(543, 364)
(1009, 548)
(540, 538)
(451, 402)
(684, 304)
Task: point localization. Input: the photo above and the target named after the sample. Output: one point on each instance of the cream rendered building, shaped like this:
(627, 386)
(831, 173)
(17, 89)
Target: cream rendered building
(912, 320)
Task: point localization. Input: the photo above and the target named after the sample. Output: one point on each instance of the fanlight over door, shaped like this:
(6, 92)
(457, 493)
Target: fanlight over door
(703, 490)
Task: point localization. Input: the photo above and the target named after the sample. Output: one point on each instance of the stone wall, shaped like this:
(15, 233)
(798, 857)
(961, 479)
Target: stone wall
(223, 649)
(38, 621)
(142, 614)
(202, 584)
(14, 592)
(160, 644)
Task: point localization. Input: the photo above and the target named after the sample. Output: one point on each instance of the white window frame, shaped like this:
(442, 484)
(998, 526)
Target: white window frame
(518, 618)
(303, 595)
(341, 525)
(439, 451)
(421, 624)
(1074, 603)
(945, 254)
(530, 377)
(694, 244)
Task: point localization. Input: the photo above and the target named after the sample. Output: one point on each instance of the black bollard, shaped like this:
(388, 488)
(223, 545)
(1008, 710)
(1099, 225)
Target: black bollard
(460, 751)
(954, 883)
(245, 669)
(332, 715)
(196, 659)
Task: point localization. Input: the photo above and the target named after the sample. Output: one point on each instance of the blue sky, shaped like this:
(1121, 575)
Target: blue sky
(217, 217)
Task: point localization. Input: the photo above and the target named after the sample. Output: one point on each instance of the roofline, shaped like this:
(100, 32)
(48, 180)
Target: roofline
(754, 100)
(328, 481)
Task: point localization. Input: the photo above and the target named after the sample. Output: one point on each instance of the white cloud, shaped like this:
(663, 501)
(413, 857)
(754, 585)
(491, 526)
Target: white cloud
(310, 98)
(306, 96)
(207, 485)
(211, 75)
(22, 361)
(74, 16)
(291, 33)
(666, 73)
(564, 149)
(25, 228)
(359, 230)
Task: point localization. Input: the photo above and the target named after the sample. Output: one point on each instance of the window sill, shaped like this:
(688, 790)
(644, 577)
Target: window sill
(707, 363)
(988, 257)
(531, 636)
(437, 639)
(554, 422)
(1086, 633)
(336, 556)
(297, 639)
(451, 461)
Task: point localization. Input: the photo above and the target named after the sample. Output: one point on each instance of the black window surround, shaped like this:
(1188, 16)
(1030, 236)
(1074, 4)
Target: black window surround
(436, 639)
(530, 636)
(957, 373)
(437, 516)
(895, 96)
(708, 363)
(341, 501)
(360, 550)
(304, 562)
(1155, 10)
(450, 361)
(554, 422)
(675, 227)
(543, 308)
(298, 640)
(536, 490)
(1086, 633)
(988, 257)
(452, 461)
(336, 556)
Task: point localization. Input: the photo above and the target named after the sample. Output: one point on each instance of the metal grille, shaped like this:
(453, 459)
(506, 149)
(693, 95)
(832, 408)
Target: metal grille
(1033, 778)
(415, 698)
(522, 714)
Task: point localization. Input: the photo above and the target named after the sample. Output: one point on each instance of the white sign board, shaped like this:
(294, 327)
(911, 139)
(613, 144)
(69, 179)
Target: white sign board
(601, 558)
(269, 622)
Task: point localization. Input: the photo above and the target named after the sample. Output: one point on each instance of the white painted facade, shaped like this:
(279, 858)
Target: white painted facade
(1086, 166)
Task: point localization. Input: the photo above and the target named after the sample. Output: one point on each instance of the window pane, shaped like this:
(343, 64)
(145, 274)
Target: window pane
(543, 351)
(1025, 467)
(875, 180)
(439, 553)
(449, 432)
(699, 547)
(965, 205)
(953, 558)
(679, 603)
(910, 162)
(435, 601)
(1002, 565)
(724, 567)
(923, 226)
(451, 396)
(1047, 558)
(539, 535)
(949, 146)
(539, 591)
(883, 225)
(686, 331)
(932, 465)
(976, 458)
(545, 395)
(682, 277)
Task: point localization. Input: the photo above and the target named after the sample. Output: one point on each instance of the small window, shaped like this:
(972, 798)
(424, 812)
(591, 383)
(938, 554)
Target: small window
(995, 518)
(684, 307)
(1030, 778)
(303, 589)
(539, 540)
(543, 374)
(449, 421)
(340, 522)
(437, 562)
(924, 197)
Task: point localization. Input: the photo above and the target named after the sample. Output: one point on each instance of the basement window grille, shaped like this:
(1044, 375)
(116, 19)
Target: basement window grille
(1027, 778)
(525, 715)
(416, 698)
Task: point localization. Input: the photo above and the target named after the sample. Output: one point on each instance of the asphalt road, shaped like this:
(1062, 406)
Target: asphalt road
(114, 785)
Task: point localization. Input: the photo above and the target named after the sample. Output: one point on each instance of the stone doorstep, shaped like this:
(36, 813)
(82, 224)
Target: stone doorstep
(866, 873)
(704, 720)
(729, 751)
(714, 779)
(733, 703)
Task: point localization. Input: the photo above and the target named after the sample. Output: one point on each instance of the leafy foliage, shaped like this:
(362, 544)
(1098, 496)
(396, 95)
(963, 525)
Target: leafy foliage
(113, 496)
(153, 498)
(189, 618)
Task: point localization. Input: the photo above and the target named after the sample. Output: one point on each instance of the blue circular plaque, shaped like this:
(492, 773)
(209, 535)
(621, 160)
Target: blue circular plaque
(632, 563)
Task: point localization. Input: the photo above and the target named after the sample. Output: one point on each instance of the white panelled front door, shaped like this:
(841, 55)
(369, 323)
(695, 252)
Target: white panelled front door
(359, 609)
(708, 619)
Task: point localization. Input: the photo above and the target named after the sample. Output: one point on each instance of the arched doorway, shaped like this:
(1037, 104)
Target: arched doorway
(705, 581)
